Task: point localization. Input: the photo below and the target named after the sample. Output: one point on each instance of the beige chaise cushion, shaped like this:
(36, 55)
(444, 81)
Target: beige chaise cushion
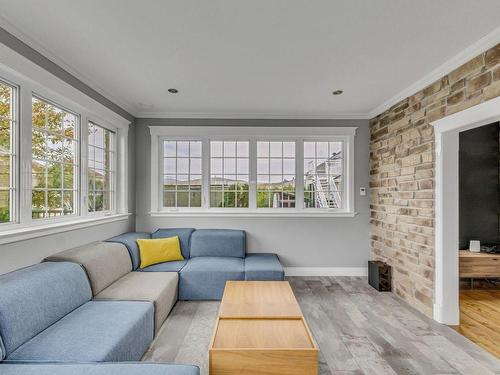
(104, 262)
(157, 287)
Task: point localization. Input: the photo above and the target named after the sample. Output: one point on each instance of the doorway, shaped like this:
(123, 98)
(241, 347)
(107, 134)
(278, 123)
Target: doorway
(446, 131)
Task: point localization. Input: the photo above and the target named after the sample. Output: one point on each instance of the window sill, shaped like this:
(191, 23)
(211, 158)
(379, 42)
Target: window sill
(17, 233)
(251, 213)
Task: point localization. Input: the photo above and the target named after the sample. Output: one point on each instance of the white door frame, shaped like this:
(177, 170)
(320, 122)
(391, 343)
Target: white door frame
(446, 130)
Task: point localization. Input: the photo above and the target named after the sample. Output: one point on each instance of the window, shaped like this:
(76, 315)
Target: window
(100, 171)
(54, 168)
(229, 171)
(7, 152)
(252, 171)
(46, 133)
(276, 174)
(323, 174)
(181, 173)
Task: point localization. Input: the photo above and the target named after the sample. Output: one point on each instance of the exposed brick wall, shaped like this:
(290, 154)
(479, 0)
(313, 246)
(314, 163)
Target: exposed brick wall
(402, 173)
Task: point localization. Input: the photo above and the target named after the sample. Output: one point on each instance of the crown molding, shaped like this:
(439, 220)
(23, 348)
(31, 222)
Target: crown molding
(37, 46)
(261, 116)
(482, 45)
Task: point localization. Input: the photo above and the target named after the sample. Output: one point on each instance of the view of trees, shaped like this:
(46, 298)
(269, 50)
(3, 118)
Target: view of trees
(234, 195)
(53, 165)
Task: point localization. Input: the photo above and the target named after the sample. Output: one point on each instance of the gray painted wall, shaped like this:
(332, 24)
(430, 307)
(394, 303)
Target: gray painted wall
(301, 241)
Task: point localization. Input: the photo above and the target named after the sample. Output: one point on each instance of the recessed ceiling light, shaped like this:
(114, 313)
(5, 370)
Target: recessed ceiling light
(337, 92)
(173, 91)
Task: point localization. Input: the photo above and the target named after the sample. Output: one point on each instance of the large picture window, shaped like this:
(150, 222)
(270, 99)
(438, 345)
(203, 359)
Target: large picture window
(7, 152)
(259, 172)
(54, 165)
(101, 171)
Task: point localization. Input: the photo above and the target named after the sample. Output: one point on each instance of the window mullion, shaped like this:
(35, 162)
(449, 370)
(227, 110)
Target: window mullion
(299, 174)
(205, 173)
(84, 185)
(252, 177)
(25, 157)
(159, 176)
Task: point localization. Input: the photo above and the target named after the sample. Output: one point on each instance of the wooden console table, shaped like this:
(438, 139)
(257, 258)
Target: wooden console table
(478, 265)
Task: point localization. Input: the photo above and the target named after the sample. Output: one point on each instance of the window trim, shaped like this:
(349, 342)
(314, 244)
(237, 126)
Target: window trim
(252, 134)
(30, 80)
(14, 152)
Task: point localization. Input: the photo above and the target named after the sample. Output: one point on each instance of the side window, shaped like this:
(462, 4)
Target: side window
(101, 172)
(55, 166)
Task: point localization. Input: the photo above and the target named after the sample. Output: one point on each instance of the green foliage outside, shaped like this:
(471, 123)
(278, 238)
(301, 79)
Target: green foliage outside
(5, 150)
(53, 156)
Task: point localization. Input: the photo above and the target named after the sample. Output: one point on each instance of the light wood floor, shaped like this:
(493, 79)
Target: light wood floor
(359, 331)
(480, 318)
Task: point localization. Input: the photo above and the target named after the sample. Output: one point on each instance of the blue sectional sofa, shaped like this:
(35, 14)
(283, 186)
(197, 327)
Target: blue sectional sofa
(47, 315)
(92, 310)
(212, 256)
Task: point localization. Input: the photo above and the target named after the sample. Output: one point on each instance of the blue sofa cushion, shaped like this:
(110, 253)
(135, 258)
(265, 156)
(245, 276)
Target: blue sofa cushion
(130, 368)
(204, 278)
(98, 331)
(218, 243)
(129, 240)
(35, 297)
(174, 266)
(184, 237)
(263, 266)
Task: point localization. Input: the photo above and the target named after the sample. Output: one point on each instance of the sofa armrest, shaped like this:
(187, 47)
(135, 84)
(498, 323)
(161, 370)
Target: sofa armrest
(263, 266)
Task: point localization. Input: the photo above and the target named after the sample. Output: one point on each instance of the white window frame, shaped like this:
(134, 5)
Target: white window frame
(14, 165)
(206, 175)
(31, 80)
(160, 175)
(252, 134)
(78, 163)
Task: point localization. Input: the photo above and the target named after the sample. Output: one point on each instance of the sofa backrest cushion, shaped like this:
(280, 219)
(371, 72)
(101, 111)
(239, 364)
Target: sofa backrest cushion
(218, 243)
(35, 297)
(130, 241)
(184, 237)
(105, 262)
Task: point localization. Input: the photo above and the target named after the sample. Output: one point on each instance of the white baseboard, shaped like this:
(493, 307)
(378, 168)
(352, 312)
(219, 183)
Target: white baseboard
(326, 271)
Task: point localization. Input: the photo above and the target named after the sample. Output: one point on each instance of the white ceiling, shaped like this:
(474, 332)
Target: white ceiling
(253, 58)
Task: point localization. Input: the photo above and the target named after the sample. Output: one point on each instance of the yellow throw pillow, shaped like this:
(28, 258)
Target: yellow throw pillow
(159, 250)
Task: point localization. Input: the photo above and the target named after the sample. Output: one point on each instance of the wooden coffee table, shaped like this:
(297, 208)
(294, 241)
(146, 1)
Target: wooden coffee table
(261, 330)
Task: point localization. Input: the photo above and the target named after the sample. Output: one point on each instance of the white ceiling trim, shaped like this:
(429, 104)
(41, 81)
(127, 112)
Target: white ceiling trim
(482, 45)
(129, 107)
(262, 116)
